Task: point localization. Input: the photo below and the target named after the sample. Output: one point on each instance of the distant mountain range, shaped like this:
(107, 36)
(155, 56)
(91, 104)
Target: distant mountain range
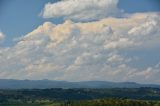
(43, 84)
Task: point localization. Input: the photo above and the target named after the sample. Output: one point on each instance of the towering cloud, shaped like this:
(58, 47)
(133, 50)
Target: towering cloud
(85, 51)
(82, 10)
(93, 43)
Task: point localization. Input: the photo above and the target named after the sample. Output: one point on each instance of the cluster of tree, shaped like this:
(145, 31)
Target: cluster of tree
(83, 96)
(31, 103)
(112, 102)
(80, 94)
(95, 102)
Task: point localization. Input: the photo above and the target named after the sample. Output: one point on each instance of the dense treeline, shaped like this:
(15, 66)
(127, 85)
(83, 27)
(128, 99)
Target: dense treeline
(81, 97)
(95, 102)
(114, 102)
(80, 94)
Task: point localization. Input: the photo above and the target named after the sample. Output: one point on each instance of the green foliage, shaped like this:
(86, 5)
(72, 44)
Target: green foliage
(113, 102)
(81, 97)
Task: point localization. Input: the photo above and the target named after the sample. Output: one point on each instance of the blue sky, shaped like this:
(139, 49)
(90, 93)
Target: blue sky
(122, 42)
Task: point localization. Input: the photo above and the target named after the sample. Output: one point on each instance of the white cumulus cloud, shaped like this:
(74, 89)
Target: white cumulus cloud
(82, 10)
(84, 51)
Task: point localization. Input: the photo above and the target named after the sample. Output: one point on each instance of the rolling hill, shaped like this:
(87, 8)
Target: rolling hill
(43, 84)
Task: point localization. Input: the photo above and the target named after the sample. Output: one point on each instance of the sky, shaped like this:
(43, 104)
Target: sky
(80, 40)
